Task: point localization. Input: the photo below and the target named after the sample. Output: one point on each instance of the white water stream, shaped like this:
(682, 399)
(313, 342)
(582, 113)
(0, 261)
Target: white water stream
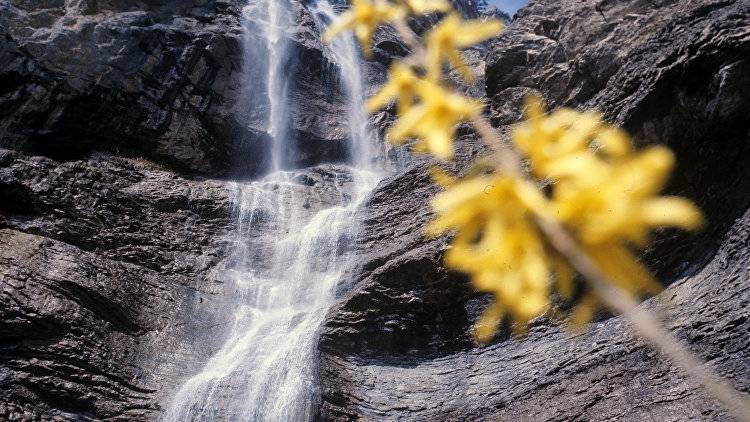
(270, 21)
(288, 255)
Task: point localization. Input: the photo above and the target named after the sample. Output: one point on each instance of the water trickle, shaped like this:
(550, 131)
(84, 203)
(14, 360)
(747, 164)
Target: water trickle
(344, 53)
(288, 256)
(266, 57)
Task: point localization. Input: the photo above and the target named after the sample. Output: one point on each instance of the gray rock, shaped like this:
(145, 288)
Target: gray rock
(395, 347)
(149, 79)
(162, 80)
(112, 277)
(97, 259)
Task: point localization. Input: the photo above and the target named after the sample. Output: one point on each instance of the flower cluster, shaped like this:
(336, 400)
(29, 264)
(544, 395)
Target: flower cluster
(497, 244)
(429, 111)
(365, 16)
(601, 190)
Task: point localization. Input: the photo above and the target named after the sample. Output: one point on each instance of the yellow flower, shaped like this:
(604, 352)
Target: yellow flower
(425, 6)
(363, 17)
(433, 121)
(402, 85)
(497, 244)
(451, 35)
(621, 203)
(441, 177)
(619, 210)
(604, 193)
(566, 134)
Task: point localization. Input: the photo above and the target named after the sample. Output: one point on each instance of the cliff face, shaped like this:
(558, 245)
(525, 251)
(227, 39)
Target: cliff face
(151, 78)
(672, 72)
(114, 117)
(165, 80)
(121, 125)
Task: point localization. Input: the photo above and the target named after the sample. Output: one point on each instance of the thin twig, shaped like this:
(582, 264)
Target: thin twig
(408, 36)
(641, 321)
(508, 160)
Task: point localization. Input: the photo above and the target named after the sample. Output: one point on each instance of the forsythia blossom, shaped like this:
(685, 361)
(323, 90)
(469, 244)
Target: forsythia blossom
(402, 86)
(496, 243)
(363, 17)
(603, 192)
(450, 36)
(433, 121)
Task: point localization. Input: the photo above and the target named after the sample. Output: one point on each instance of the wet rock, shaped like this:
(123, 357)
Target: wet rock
(162, 80)
(97, 259)
(395, 347)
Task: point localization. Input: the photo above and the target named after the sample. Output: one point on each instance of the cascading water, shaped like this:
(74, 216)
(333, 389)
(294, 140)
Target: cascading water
(286, 262)
(269, 20)
(346, 56)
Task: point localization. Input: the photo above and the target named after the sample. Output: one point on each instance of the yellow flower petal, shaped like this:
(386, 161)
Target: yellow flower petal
(476, 31)
(622, 269)
(426, 6)
(441, 177)
(452, 34)
(402, 85)
(583, 312)
(404, 126)
(492, 317)
(344, 21)
(363, 17)
(531, 306)
(564, 274)
(615, 142)
(647, 172)
(439, 142)
(672, 212)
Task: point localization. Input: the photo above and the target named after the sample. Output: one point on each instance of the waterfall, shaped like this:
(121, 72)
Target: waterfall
(266, 24)
(278, 20)
(287, 259)
(344, 53)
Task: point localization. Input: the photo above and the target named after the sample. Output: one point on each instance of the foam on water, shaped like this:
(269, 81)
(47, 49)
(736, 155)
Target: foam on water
(286, 260)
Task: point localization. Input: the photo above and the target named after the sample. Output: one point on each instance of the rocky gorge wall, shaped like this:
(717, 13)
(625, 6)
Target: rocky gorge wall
(120, 140)
(673, 72)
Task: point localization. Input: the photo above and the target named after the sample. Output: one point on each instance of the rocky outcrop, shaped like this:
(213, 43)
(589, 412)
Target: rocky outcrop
(153, 80)
(167, 80)
(671, 72)
(96, 257)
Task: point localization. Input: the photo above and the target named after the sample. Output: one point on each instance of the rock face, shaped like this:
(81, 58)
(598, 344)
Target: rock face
(96, 258)
(115, 117)
(154, 79)
(123, 125)
(164, 80)
(396, 348)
